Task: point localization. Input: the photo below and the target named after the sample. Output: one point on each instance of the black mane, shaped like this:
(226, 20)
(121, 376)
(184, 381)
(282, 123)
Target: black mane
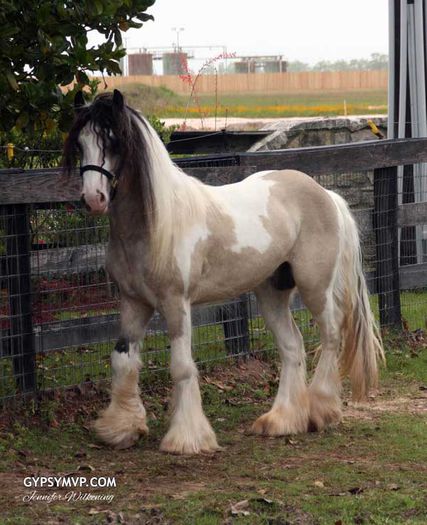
(129, 145)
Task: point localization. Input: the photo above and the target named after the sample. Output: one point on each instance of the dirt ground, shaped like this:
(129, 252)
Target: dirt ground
(372, 468)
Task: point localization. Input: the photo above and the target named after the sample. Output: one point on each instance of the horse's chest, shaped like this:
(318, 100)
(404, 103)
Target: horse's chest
(126, 267)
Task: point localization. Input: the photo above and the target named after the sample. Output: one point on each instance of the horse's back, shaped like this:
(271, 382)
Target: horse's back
(281, 197)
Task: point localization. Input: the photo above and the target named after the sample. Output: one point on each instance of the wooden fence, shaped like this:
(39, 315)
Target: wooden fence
(262, 82)
(20, 189)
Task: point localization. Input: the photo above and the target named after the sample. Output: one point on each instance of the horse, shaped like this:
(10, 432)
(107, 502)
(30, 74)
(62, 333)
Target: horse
(176, 242)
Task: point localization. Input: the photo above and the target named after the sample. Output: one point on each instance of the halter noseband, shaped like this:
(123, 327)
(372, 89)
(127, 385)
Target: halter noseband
(114, 179)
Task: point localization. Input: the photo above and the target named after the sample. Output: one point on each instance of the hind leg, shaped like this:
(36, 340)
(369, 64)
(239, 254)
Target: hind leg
(290, 411)
(315, 274)
(325, 387)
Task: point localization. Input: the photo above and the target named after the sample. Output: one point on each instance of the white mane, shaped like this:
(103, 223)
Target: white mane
(179, 200)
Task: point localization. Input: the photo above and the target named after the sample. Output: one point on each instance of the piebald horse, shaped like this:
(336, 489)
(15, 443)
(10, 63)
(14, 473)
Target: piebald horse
(175, 242)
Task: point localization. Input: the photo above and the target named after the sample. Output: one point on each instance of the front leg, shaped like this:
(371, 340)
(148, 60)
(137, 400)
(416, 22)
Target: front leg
(190, 432)
(124, 420)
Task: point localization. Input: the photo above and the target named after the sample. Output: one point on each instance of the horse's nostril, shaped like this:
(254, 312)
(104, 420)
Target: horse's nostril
(84, 203)
(101, 197)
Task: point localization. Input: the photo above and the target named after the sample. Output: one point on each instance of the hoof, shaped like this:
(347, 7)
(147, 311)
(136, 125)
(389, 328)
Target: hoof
(180, 441)
(120, 430)
(281, 421)
(325, 410)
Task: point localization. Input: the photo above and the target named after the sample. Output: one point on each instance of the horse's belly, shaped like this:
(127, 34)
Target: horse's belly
(229, 276)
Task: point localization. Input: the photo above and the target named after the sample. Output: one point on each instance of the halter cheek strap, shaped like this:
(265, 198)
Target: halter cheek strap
(110, 176)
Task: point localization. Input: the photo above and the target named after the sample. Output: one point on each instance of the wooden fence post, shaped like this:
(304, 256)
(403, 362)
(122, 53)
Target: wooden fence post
(387, 246)
(235, 322)
(18, 267)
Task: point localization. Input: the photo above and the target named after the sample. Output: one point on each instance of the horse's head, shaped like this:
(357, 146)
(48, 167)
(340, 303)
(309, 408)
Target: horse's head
(100, 138)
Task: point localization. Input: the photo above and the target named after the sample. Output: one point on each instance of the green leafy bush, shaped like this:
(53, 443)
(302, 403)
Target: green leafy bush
(44, 46)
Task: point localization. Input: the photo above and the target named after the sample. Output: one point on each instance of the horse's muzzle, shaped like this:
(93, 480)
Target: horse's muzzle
(96, 204)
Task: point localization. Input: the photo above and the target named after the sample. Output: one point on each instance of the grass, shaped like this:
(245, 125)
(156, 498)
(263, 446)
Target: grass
(370, 469)
(164, 103)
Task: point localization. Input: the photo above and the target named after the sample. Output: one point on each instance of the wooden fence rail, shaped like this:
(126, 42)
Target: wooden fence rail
(50, 185)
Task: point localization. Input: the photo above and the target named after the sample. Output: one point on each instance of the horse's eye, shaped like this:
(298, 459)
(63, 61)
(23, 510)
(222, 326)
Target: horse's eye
(113, 145)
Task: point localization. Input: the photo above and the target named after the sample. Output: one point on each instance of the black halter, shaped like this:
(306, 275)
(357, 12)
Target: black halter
(114, 179)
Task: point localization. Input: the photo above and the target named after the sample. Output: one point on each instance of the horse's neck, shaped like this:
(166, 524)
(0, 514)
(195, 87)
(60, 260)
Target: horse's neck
(124, 217)
(176, 206)
(179, 202)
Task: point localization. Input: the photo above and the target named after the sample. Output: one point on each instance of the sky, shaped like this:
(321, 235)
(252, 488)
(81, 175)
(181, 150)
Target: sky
(305, 30)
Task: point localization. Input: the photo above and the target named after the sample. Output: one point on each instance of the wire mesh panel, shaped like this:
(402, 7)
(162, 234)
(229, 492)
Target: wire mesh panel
(58, 308)
(16, 346)
(59, 311)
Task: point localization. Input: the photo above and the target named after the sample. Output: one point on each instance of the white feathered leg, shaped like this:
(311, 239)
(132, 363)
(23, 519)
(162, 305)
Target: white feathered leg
(190, 432)
(124, 420)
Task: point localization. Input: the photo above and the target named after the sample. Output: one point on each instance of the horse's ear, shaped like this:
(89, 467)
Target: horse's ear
(79, 100)
(118, 100)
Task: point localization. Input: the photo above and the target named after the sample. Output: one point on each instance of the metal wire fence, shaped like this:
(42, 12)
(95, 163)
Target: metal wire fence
(59, 310)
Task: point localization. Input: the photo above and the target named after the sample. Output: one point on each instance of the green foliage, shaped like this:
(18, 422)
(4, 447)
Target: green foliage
(41, 148)
(44, 45)
(162, 130)
(35, 150)
(44, 149)
(67, 225)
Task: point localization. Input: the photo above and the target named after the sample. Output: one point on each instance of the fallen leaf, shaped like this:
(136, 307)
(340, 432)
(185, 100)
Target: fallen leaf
(393, 486)
(218, 384)
(265, 500)
(86, 467)
(319, 484)
(93, 512)
(239, 508)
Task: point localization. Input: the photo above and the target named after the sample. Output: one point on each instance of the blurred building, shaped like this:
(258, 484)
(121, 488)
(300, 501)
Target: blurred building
(140, 64)
(174, 63)
(260, 64)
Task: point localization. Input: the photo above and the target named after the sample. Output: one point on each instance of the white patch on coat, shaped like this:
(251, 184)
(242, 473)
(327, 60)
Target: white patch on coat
(92, 154)
(124, 363)
(185, 249)
(247, 204)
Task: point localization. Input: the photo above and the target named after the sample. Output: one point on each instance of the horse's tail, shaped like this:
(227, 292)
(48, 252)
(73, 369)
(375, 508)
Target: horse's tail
(361, 346)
